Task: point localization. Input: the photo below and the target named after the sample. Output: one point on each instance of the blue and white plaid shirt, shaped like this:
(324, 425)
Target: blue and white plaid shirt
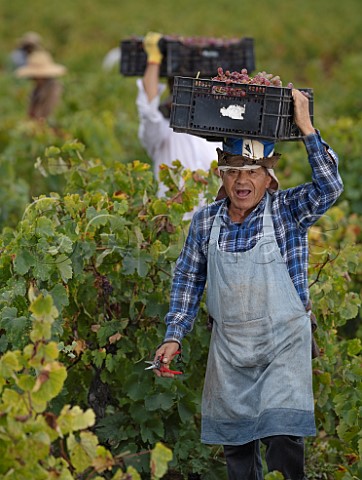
(293, 211)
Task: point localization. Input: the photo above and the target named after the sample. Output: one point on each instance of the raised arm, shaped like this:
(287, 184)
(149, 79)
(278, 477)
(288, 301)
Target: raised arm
(310, 201)
(154, 59)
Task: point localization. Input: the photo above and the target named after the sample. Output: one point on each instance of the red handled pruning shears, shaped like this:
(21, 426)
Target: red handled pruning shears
(161, 367)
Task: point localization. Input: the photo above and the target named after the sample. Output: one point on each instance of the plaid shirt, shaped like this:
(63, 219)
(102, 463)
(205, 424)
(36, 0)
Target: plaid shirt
(293, 211)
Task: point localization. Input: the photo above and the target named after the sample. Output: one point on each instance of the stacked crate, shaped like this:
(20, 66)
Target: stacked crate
(189, 56)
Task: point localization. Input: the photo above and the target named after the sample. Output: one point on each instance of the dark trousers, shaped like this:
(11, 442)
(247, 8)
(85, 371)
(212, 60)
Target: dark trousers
(283, 453)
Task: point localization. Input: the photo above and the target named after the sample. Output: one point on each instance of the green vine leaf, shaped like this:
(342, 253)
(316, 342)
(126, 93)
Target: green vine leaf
(83, 450)
(72, 419)
(160, 457)
(159, 401)
(64, 265)
(49, 382)
(9, 364)
(24, 260)
(15, 327)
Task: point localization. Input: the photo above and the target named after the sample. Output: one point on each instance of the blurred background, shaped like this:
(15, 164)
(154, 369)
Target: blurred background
(314, 43)
(311, 43)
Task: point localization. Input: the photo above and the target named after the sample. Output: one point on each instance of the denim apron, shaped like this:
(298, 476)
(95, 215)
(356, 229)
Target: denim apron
(258, 379)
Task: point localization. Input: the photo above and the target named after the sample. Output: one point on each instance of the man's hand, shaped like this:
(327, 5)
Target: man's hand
(150, 44)
(167, 351)
(301, 112)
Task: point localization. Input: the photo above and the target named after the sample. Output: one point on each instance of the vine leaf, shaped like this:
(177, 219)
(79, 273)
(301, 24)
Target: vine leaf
(160, 457)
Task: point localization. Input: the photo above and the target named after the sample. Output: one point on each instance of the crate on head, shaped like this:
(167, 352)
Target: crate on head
(215, 110)
(189, 56)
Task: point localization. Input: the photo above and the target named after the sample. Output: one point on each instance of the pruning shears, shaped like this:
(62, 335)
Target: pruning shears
(157, 364)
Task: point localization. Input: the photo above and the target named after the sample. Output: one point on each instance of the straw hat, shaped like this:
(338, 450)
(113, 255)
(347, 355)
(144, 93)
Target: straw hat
(40, 64)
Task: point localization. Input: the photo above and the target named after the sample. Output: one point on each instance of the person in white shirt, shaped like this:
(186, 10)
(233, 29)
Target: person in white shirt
(162, 144)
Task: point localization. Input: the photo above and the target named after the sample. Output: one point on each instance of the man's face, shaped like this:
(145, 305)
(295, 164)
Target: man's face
(245, 189)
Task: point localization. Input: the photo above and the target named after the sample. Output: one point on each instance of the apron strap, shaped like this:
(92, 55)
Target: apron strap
(215, 232)
(268, 226)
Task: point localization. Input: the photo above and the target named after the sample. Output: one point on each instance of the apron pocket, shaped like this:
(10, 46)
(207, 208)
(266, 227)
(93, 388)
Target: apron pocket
(251, 343)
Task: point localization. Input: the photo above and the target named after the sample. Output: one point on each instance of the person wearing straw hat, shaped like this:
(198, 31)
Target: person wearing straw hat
(251, 251)
(27, 44)
(47, 91)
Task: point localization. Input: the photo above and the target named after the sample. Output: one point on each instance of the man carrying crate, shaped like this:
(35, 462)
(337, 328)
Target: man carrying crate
(251, 250)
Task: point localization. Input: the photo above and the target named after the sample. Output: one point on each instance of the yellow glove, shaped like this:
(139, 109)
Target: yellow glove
(150, 44)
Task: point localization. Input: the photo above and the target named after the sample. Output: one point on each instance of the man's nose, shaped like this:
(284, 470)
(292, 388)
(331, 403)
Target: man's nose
(242, 174)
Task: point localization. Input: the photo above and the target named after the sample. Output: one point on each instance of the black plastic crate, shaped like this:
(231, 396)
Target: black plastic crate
(190, 56)
(214, 110)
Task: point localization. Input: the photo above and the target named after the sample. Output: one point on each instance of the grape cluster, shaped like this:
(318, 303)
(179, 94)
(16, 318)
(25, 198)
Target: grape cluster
(261, 78)
(103, 284)
(106, 286)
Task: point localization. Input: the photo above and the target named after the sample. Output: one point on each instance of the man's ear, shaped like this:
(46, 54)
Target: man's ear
(221, 193)
(268, 180)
